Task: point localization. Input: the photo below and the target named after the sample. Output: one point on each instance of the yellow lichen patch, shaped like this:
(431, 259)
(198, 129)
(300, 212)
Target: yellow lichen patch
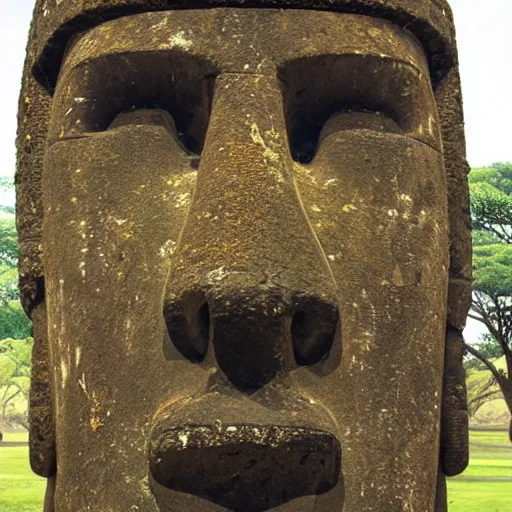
(256, 137)
(397, 278)
(180, 41)
(96, 422)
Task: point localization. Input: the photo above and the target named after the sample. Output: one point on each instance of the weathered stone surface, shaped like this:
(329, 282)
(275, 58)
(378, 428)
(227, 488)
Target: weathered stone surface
(42, 428)
(57, 20)
(454, 425)
(256, 262)
(33, 119)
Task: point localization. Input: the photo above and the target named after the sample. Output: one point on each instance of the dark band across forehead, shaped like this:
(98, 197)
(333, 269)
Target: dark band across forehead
(58, 20)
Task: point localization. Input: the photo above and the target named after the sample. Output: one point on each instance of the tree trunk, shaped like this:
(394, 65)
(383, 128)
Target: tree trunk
(4, 405)
(506, 388)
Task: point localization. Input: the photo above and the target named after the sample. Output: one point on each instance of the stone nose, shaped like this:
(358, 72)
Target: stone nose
(257, 329)
(249, 279)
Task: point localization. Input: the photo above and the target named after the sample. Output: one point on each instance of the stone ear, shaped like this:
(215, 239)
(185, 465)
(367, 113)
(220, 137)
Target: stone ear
(34, 111)
(454, 427)
(42, 428)
(454, 455)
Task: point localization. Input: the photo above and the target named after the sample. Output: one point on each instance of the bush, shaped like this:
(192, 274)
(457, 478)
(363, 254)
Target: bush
(13, 322)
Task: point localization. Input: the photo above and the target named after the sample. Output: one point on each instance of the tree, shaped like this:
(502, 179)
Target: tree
(15, 357)
(491, 201)
(7, 393)
(15, 327)
(491, 212)
(6, 183)
(480, 388)
(8, 243)
(13, 322)
(9, 290)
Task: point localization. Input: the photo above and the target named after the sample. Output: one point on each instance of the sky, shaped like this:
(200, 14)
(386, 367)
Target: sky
(485, 48)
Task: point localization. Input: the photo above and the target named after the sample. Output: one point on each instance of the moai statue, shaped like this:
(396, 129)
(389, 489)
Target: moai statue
(245, 249)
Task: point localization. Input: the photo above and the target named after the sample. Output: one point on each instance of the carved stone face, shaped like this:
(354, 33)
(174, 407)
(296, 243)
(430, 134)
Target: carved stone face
(246, 253)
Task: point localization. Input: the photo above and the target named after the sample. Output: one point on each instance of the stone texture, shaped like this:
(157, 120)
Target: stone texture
(58, 20)
(253, 251)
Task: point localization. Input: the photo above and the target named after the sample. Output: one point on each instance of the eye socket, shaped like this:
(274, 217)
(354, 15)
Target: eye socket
(331, 93)
(99, 94)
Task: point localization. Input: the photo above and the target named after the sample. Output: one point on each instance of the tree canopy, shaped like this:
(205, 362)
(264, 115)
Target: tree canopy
(15, 327)
(491, 201)
(15, 356)
(491, 213)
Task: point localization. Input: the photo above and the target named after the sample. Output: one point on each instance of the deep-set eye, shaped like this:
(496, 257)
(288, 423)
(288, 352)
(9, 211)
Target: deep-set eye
(137, 88)
(331, 93)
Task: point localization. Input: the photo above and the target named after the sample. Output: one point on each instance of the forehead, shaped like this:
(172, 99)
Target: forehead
(250, 40)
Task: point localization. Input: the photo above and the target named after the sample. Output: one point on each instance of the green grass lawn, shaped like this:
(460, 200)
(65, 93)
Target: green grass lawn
(17, 437)
(20, 489)
(486, 486)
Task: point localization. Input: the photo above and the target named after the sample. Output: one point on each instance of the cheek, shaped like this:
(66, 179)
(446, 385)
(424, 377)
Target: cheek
(378, 205)
(114, 207)
(115, 204)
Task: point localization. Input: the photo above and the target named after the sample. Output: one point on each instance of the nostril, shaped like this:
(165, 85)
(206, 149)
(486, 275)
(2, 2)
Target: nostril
(299, 325)
(312, 335)
(188, 325)
(303, 337)
(203, 321)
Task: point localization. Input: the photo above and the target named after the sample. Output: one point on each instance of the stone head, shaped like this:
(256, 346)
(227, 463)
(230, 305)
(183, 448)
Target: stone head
(245, 249)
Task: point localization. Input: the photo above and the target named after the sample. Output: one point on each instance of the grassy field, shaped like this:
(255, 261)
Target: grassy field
(486, 486)
(20, 489)
(16, 437)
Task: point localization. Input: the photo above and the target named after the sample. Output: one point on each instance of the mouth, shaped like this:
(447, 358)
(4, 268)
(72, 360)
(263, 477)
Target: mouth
(247, 465)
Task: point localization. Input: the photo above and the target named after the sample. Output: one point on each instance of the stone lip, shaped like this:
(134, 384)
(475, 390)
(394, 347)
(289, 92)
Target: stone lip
(56, 22)
(246, 451)
(245, 467)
